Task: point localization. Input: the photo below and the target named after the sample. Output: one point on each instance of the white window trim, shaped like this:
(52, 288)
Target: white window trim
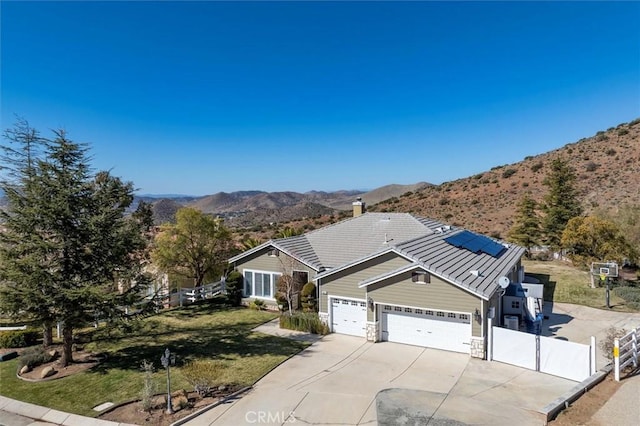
(274, 279)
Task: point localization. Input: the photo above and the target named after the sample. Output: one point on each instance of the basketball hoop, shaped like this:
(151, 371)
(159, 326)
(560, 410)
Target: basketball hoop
(604, 270)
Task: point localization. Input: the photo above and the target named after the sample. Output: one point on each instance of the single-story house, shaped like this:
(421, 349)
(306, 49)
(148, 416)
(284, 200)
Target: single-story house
(394, 277)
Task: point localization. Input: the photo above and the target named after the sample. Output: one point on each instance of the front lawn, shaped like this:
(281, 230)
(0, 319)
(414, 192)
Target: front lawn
(197, 332)
(567, 284)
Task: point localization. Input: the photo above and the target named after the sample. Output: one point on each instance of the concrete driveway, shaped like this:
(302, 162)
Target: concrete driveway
(345, 380)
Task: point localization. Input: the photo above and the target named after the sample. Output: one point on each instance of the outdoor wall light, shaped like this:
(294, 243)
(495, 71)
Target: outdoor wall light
(370, 301)
(477, 316)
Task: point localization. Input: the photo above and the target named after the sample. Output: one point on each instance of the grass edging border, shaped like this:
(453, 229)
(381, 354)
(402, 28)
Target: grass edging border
(209, 407)
(551, 410)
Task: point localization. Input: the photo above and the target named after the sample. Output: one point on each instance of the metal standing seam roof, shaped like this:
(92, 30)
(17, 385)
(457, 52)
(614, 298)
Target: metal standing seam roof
(455, 264)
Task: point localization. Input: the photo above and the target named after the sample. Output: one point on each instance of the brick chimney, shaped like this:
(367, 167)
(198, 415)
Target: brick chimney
(358, 207)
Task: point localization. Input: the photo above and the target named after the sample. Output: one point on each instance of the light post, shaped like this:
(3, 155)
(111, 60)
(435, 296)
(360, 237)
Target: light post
(168, 359)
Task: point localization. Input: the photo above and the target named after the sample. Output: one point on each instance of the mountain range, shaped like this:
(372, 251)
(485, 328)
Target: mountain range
(607, 166)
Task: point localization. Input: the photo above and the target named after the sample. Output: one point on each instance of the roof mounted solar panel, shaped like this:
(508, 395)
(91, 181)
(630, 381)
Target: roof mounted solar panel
(475, 243)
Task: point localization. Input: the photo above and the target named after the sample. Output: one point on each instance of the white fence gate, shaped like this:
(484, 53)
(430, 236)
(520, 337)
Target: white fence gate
(626, 352)
(573, 361)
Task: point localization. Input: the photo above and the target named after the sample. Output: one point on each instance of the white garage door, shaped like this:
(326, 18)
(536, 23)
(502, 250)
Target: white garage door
(349, 316)
(421, 327)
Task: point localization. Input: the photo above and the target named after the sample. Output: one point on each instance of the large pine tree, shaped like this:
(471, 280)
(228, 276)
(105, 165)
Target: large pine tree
(526, 228)
(69, 252)
(561, 203)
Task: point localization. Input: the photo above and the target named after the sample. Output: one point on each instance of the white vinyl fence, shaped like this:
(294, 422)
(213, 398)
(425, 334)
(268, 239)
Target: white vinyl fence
(626, 352)
(573, 361)
(185, 295)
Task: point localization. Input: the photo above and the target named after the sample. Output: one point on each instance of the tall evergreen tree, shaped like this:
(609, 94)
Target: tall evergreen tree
(82, 255)
(561, 203)
(19, 261)
(526, 228)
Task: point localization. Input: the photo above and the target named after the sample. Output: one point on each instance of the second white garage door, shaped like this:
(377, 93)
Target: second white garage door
(349, 316)
(421, 327)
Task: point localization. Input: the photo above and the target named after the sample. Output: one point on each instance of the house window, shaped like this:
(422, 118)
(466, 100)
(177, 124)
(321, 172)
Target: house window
(260, 284)
(420, 277)
(515, 304)
(397, 308)
(419, 311)
(464, 317)
(428, 312)
(408, 310)
(387, 308)
(451, 315)
(440, 314)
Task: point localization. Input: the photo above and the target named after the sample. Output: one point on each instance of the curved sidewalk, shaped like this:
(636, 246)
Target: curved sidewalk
(18, 413)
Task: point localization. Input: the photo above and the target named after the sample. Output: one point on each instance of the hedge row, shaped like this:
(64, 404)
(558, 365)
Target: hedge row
(304, 321)
(18, 338)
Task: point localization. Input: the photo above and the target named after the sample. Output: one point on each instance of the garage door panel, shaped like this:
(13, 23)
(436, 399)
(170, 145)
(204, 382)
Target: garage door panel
(434, 329)
(349, 317)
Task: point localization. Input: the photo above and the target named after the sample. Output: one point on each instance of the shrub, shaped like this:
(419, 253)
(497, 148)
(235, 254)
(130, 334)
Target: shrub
(606, 345)
(308, 296)
(610, 152)
(149, 386)
(508, 173)
(234, 284)
(622, 132)
(592, 167)
(537, 166)
(18, 338)
(33, 357)
(304, 321)
(204, 376)
(257, 304)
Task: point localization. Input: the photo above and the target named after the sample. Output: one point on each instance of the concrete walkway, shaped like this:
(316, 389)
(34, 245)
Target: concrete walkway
(18, 413)
(272, 328)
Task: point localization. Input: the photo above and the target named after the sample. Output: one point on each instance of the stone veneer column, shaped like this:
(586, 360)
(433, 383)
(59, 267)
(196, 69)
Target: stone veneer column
(477, 347)
(372, 332)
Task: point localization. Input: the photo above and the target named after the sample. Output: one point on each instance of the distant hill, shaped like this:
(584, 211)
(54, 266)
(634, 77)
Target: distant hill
(607, 165)
(248, 208)
(164, 211)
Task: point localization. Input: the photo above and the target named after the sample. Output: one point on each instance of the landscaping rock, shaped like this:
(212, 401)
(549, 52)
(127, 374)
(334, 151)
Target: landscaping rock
(48, 371)
(222, 388)
(53, 353)
(25, 369)
(179, 403)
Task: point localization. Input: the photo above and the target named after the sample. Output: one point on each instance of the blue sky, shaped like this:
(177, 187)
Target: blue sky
(202, 97)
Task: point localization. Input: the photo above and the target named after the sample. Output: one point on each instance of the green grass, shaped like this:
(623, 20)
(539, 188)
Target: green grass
(567, 284)
(206, 332)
